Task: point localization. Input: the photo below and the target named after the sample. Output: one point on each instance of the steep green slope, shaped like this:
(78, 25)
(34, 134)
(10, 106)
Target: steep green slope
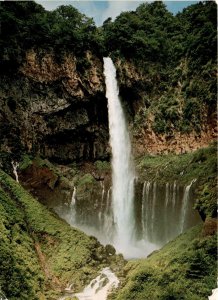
(40, 254)
(21, 276)
(184, 269)
(167, 74)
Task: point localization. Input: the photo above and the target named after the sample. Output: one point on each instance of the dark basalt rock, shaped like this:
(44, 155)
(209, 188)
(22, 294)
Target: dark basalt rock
(62, 116)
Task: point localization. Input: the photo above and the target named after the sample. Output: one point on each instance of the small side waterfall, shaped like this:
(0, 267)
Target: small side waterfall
(68, 211)
(100, 216)
(15, 165)
(122, 166)
(185, 205)
(73, 199)
(166, 211)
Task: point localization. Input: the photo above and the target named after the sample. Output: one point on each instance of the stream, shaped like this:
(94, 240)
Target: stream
(98, 288)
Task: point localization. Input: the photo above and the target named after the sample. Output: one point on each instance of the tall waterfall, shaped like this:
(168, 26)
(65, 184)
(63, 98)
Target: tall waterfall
(135, 217)
(122, 166)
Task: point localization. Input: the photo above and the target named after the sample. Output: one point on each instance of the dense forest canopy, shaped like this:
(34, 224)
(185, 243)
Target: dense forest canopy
(173, 52)
(169, 49)
(150, 33)
(26, 25)
(56, 127)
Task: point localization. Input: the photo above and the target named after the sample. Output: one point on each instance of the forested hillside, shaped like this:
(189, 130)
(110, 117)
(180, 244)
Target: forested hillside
(167, 69)
(54, 127)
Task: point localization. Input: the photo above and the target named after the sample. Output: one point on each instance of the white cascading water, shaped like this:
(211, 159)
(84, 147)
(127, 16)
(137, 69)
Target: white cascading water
(98, 288)
(214, 295)
(122, 166)
(15, 165)
(185, 205)
(163, 206)
(68, 212)
(115, 218)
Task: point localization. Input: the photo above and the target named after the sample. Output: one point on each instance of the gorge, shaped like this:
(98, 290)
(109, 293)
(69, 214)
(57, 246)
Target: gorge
(108, 166)
(135, 229)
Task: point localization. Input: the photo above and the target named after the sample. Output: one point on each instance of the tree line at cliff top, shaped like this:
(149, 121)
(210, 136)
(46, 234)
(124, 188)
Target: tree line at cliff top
(150, 33)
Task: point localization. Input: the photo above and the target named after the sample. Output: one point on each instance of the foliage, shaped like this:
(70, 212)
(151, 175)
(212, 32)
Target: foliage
(170, 51)
(144, 33)
(20, 274)
(183, 269)
(38, 249)
(86, 180)
(177, 54)
(167, 115)
(26, 25)
(25, 162)
(102, 165)
(199, 25)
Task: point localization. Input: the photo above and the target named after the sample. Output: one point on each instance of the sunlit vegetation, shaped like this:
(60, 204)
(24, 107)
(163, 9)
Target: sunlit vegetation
(40, 253)
(26, 25)
(184, 269)
(177, 57)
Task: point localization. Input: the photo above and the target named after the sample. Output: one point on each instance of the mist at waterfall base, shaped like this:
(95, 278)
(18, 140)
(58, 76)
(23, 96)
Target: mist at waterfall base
(136, 218)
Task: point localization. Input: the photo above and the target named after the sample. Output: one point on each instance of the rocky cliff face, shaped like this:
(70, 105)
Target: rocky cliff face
(55, 108)
(142, 98)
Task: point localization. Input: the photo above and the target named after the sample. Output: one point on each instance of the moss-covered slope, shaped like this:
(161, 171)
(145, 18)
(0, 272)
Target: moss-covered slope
(184, 269)
(40, 253)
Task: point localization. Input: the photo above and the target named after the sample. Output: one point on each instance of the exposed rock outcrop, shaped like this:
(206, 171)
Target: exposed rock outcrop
(141, 94)
(51, 108)
(177, 143)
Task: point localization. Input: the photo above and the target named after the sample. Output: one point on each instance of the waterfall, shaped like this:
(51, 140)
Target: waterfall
(161, 212)
(103, 191)
(102, 201)
(122, 166)
(167, 194)
(214, 295)
(108, 201)
(174, 194)
(153, 207)
(143, 207)
(166, 211)
(135, 218)
(185, 205)
(68, 210)
(73, 199)
(146, 222)
(15, 165)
